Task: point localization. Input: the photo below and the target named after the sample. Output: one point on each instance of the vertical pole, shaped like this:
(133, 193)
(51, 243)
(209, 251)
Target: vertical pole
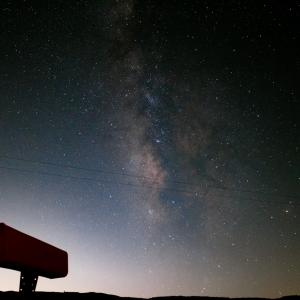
(28, 281)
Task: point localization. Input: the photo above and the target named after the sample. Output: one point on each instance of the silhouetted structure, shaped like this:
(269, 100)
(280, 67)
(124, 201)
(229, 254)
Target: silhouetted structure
(30, 256)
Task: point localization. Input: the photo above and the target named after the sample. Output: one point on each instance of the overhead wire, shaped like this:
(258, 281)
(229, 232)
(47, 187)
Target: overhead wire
(91, 169)
(153, 185)
(153, 182)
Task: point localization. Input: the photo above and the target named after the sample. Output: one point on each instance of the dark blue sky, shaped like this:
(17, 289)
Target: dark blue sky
(157, 143)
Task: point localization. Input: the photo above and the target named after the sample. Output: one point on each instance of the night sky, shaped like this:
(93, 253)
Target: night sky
(156, 141)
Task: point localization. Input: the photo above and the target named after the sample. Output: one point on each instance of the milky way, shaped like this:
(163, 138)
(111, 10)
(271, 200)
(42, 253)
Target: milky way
(156, 142)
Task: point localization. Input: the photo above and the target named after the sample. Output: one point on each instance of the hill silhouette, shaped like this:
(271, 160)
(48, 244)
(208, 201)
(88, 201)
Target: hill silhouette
(100, 296)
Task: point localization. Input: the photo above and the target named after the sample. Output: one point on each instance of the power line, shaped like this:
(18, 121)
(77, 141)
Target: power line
(90, 179)
(151, 185)
(131, 175)
(94, 180)
(91, 169)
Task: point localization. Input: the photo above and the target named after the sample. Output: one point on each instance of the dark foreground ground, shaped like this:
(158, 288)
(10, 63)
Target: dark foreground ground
(97, 296)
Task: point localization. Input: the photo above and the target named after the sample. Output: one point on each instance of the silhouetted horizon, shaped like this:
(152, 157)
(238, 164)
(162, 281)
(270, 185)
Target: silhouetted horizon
(92, 295)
